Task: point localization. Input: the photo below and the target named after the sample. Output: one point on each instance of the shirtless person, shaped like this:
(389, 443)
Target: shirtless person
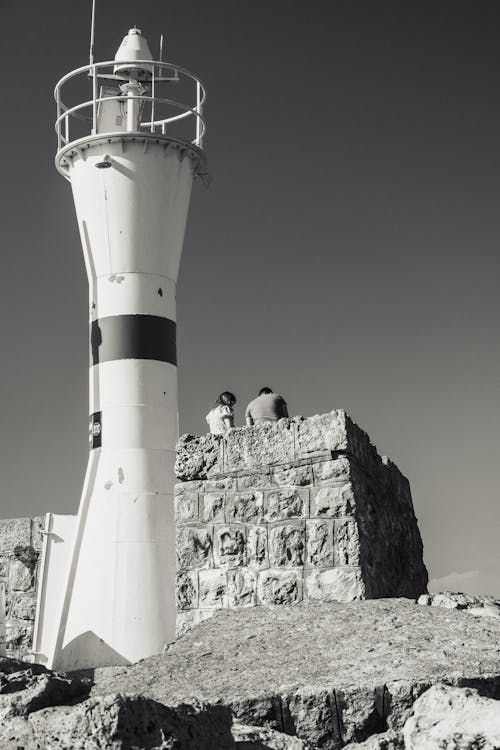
(267, 407)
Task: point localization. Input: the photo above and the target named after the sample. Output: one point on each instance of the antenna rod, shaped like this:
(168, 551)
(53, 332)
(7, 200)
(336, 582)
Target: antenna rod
(161, 54)
(92, 32)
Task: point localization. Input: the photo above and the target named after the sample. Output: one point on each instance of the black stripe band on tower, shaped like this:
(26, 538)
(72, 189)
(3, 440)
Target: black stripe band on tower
(133, 337)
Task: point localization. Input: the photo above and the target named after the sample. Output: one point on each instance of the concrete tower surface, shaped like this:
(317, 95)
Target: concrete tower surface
(130, 157)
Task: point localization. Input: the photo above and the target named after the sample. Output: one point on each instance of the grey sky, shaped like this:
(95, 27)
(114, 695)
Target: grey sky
(346, 253)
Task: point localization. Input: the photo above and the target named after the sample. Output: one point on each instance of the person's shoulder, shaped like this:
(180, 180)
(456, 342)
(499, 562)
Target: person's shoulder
(225, 410)
(251, 404)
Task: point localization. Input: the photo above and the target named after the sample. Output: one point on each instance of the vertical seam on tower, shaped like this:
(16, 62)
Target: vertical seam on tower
(107, 220)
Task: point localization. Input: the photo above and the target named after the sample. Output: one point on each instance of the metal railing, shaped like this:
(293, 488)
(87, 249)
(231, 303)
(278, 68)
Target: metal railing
(162, 74)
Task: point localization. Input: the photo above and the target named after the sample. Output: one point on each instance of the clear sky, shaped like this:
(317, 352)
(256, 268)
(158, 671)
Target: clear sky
(346, 253)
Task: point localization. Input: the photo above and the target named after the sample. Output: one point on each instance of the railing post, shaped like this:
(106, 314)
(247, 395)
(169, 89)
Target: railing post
(153, 101)
(94, 101)
(198, 107)
(58, 109)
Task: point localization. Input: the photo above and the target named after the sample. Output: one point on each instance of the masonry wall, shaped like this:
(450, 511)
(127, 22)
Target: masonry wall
(298, 511)
(20, 546)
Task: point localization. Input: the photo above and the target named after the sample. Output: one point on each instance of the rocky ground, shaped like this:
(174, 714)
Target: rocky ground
(281, 678)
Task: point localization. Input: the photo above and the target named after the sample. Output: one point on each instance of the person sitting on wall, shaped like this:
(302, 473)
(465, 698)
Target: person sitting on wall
(221, 418)
(267, 407)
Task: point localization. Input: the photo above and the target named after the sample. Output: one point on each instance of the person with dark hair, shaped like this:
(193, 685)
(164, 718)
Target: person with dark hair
(221, 418)
(267, 407)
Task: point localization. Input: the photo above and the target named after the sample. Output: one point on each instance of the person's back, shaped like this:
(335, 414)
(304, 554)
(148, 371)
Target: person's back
(267, 407)
(221, 418)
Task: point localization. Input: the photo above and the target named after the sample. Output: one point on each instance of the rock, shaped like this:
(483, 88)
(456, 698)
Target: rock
(384, 741)
(286, 544)
(319, 542)
(450, 717)
(121, 722)
(488, 610)
(212, 588)
(23, 692)
(25, 688)
(212, 508)
(275, 666)
(23, 606)
(263, 738)
(187, 590)
(332, 501)
(229, 546)
(334, 469)
(257, 557)
(19, 635)
(311, 715)
(21, 576)
(242, 588)
(246, 507)
(263, 444)
(194, 546)
(294, 476)
(14, 532)
(334, 584)
(480, 606)
(198, 456)
(284, 504)
(346, 542)
(279, 587)
(186, 507)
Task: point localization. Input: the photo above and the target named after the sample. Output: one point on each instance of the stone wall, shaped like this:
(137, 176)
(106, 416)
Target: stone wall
(303, 510)
(20, 545)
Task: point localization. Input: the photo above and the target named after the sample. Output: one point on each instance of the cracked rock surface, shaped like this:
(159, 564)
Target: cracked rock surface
(384, 673)
(328, 674)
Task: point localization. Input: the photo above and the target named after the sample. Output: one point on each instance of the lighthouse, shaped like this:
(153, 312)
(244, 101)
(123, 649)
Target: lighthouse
(130, 147)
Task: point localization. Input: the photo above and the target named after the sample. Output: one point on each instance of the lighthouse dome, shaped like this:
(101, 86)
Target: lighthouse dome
(133, 47)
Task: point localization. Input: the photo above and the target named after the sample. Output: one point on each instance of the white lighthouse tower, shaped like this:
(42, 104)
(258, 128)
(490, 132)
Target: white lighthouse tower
(127, 150)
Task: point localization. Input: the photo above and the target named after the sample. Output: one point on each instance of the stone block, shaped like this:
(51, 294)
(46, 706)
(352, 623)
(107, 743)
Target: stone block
(37, 526)
(242, 588)
(279, 587)
(360, 712)
(334, 584)
(212, 508)
(229, 546)
(258, 480)
(194, 546)
(289, 503)
(311, 715)
(220, 484)
(245, 507)
(212, 588)
(319, 543)
(187, 590)
(293, 476)
(185, 487)
(335, 469)
(198, 457)
(14, 532)
(23, 607)
(19, 635)
(286, 544)
(332, 501)
(21, 576)
(322, 433)
(257, 554)
(190, 618)
(4, 567)
(346, 542)
(259, 446)
(186, 507)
